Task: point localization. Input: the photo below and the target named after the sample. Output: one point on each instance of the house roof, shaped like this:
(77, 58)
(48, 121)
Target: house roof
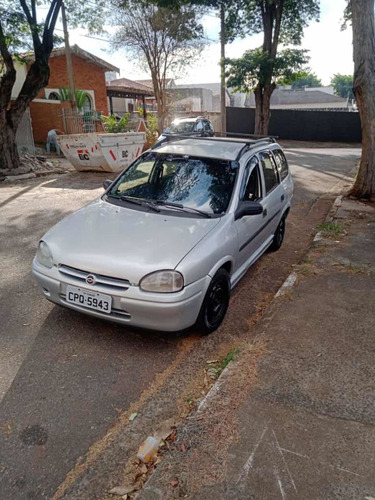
(123, 87)
(130, 84)
(148, 83)
(83, 54)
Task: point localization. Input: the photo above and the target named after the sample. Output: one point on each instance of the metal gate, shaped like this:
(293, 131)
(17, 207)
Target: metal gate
(76, 123)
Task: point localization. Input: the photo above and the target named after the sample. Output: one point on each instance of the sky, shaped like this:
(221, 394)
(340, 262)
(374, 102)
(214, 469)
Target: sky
(330, 49)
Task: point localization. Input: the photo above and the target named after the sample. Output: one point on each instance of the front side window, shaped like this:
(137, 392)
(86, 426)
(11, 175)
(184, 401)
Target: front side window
(199, 183)
(252, 183)
(269, 171)
(281, 162)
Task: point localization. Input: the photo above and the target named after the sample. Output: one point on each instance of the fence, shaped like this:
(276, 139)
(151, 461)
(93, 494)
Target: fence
(306, 125)
(24, 135)
(76, 123)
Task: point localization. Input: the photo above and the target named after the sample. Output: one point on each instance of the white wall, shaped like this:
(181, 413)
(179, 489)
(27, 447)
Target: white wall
(20, 78)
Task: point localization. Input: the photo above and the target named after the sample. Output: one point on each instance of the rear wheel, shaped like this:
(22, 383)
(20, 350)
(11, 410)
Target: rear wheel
(278, 237)
(215, 303)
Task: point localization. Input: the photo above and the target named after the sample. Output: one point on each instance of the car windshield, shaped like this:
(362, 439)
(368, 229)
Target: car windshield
(180, 128)
(190, 182)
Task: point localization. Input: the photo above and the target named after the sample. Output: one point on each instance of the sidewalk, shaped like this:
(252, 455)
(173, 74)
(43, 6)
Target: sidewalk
(294, 416)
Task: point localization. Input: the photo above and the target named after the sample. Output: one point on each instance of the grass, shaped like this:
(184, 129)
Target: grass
(330, 229)
(223, 364)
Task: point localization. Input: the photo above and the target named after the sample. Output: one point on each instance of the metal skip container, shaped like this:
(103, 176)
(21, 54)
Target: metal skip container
(101, 151)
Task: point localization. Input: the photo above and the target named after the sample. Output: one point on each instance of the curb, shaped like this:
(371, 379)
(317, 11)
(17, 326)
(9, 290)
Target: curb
(330, 217)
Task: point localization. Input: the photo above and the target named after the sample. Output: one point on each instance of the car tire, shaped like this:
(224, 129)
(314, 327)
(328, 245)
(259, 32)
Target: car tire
(215, 303)
(278, 237)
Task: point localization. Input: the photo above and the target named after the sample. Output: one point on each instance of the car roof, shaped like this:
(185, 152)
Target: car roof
(191, 119)
(225, 148)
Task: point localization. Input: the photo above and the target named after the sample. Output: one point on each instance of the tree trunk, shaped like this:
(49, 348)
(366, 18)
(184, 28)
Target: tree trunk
(262, 108)
(364, 90)
(9, 158)
(223, 109)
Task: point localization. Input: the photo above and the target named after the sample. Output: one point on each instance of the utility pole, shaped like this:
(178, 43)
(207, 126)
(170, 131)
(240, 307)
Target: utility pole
(69, 64)
(223, 110)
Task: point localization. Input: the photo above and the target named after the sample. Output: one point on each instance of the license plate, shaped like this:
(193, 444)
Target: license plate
(87, 298)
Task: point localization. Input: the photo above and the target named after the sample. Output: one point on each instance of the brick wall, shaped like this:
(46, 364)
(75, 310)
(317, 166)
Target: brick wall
(87, 76)
(46, 116)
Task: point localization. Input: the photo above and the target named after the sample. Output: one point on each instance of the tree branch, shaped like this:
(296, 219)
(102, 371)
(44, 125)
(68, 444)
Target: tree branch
(9, 77)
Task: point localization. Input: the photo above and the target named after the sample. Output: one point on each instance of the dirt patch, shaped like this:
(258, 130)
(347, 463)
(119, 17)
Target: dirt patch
(205, 439)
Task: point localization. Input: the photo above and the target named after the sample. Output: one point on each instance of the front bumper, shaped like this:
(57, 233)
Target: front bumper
(155, 311)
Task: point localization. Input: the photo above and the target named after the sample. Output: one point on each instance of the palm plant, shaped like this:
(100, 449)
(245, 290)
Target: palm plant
(80, 95)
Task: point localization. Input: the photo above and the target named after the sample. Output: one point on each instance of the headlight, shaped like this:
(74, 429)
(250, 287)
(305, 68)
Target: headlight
(162, 281)
(44, 255)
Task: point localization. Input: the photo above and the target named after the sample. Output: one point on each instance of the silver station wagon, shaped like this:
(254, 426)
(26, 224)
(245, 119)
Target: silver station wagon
(164, 245)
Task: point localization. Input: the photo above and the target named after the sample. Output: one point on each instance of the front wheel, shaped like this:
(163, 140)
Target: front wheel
(215, 303)
(278, 237)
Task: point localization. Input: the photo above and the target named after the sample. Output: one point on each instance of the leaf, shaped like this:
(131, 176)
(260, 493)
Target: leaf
(165, 429)
(133, 416)
(121, 490)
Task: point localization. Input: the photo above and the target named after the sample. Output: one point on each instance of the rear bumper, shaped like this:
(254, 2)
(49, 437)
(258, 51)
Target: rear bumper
(154, 311)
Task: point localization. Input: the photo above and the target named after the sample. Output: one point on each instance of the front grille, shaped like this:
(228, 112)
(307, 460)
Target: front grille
(80, 276)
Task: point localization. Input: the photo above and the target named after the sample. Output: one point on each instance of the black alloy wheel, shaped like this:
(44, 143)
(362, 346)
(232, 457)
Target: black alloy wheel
(215, 303)
(278, 237)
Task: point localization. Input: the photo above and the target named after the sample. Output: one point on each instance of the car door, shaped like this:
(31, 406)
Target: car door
(249, 228)
(274, 197)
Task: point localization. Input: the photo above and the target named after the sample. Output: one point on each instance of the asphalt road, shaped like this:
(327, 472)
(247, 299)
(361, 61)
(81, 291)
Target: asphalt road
(67, 380)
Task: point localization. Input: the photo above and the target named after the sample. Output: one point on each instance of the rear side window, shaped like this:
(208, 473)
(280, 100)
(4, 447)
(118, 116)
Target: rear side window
(269, 171)
(282, 164)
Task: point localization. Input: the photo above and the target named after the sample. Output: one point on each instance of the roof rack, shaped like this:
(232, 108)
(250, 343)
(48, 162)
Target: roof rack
(268, 138)
(247, 139)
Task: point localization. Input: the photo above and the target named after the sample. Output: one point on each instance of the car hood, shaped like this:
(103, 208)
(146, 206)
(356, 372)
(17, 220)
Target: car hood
(121, 242)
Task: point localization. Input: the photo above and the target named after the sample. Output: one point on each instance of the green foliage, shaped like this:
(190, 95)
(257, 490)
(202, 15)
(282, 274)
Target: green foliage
(343, 85)
(80, 95)
(151, 127)
(306, 79)
(330, 229)
(165, 39)
(251, 70)
(113, 125)
(21, 32)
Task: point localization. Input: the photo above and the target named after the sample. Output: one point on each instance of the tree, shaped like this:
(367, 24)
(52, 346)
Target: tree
(254, 71)
(306, 79)
(362, 14)
(281, 21)
(342, 85)
(166, 39)
(20, 30)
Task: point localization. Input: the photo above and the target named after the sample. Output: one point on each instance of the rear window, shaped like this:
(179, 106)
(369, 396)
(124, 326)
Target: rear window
(282, 164)
(269, 171)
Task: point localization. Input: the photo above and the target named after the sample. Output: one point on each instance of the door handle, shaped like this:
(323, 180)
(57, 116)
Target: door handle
(282, 197)
(265, 212)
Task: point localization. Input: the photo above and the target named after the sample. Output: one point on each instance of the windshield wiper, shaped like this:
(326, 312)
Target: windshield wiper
(182, 208)
(140, 201)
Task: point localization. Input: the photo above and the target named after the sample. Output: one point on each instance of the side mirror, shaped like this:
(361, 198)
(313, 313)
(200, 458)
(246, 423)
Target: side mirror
(106, 184)
(246, 208)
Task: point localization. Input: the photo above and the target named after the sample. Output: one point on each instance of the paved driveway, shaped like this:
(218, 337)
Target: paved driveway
(68, 382)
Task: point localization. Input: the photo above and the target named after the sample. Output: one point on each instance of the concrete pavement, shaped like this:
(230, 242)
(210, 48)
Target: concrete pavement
(294, 416)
